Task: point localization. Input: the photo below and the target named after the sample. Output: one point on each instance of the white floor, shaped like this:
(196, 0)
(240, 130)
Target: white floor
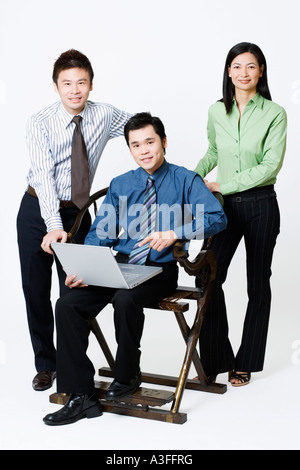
(262, 415)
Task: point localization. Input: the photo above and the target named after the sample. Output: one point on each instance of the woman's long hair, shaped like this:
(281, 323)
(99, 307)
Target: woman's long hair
(228, 87)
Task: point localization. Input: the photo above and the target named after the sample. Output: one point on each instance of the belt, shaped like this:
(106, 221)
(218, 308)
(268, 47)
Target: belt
(62, 205)
(253, 194)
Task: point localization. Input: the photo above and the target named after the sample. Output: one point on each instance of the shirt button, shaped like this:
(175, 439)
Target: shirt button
(236, 156)
(236, 171)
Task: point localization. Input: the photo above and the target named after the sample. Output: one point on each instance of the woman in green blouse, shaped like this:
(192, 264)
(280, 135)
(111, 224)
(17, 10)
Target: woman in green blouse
(247, 139)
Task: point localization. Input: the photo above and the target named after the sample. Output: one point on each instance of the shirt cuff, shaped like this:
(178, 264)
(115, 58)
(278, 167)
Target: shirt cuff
(54, 223)
(226, 188)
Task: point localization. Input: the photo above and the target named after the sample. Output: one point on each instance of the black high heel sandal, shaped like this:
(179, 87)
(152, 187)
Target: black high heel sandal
(242, 377)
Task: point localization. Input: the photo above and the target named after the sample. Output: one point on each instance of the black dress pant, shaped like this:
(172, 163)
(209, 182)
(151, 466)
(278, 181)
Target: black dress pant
(75, 371)
(254, 215)
(36, 271)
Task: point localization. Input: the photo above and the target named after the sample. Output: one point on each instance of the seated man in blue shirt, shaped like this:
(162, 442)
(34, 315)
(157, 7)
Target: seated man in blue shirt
(195, 213)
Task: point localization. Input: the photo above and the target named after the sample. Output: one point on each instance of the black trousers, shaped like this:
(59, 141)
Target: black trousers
(75, 371)
(36, 271)
(254, 216)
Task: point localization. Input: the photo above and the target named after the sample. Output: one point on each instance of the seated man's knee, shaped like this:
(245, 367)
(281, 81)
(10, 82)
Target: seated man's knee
(63, 307)
(122, 299)
(126, 306)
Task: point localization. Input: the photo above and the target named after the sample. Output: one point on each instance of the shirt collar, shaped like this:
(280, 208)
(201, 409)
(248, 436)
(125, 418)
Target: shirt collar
(67, 117)
(257, 99)
(158, 176)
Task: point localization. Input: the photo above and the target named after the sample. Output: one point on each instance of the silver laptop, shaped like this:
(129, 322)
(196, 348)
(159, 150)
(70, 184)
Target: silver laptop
(97, 266)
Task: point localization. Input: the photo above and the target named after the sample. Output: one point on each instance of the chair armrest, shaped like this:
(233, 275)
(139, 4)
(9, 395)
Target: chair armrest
(204, 264)
(92, 199)
(204, 261)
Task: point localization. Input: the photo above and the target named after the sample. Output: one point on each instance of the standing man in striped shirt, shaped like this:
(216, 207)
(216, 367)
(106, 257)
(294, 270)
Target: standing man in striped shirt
(47, 211)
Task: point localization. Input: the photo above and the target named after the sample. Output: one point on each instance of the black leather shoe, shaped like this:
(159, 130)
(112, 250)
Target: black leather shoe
(43, 380)
(117, 390)
(78, 407)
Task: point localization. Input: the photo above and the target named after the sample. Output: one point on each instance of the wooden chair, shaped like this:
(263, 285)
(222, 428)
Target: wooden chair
(146, 402)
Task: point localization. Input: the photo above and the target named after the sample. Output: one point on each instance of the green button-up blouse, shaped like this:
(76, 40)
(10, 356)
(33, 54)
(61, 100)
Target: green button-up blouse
(247, 151)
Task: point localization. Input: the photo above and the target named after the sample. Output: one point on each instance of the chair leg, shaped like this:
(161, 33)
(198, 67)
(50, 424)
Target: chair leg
(185, 330)
(191, 336)
(190, 349)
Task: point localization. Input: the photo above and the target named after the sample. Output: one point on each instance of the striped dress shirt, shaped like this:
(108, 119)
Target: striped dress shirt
(49, 140)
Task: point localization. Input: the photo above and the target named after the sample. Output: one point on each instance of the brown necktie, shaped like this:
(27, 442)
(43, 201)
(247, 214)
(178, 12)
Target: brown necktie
(79, 167)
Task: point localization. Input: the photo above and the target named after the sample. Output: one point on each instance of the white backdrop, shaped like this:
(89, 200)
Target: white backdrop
(165, 56)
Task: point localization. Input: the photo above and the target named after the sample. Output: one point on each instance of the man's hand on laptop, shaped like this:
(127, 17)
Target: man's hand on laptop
(70, 282)
(160, 240)
(53, 236)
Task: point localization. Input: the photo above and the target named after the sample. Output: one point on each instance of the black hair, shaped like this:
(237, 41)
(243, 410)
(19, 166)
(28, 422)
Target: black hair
(141, 120)
(72, 59)
(228, 87)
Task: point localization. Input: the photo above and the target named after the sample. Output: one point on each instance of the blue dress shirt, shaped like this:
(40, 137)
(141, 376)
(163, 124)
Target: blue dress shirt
(184, 204)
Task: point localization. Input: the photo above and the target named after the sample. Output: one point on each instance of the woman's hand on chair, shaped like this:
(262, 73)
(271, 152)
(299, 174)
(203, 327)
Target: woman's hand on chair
(212, 186)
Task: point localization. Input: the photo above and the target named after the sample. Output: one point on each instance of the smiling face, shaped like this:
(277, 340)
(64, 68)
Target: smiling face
(245, 72)
(73, 87)
(147, 148)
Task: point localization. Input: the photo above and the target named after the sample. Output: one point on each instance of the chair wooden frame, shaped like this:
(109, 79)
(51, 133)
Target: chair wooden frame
(142, 402)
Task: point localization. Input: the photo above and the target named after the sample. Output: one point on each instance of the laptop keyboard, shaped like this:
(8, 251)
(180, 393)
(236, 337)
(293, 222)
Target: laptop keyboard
(131, 277)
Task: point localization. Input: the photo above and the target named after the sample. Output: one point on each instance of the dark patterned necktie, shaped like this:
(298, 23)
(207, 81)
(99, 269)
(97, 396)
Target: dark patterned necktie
(139, 254)
(79, 167)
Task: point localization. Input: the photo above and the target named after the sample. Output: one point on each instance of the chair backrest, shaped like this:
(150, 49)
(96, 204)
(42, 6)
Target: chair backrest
(203, 266)
(92, 201)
